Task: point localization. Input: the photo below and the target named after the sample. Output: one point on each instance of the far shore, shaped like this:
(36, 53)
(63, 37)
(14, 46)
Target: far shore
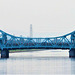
(24, 50)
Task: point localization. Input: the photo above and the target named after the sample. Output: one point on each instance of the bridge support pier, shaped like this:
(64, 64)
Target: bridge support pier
(72, 53)
(4, 53)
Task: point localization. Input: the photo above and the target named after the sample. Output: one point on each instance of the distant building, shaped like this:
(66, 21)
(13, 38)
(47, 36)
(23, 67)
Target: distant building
(31, 32)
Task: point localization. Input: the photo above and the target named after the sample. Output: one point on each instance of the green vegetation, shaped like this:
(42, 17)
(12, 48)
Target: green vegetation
(18, 50)
(22, 50)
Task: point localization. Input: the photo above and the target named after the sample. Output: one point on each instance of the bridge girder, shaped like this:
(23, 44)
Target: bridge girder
(8, 41)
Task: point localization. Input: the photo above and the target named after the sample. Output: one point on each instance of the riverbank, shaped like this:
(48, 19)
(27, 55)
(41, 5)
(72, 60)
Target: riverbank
(23, 50)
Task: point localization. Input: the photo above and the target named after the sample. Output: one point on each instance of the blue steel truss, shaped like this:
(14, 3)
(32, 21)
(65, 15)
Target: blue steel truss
(8, 41)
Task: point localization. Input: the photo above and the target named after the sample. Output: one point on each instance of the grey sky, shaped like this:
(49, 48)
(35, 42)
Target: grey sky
(48, 17)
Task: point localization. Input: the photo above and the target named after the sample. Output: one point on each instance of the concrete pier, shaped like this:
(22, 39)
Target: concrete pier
(4, 53)
(72, 53)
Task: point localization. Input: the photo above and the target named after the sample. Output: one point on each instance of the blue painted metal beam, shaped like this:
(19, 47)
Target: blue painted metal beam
(8, 41)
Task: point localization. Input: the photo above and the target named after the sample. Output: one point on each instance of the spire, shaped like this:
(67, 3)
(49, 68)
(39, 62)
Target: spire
(31, 33)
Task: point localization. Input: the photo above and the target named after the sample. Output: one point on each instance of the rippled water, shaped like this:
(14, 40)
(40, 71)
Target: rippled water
(38, 63)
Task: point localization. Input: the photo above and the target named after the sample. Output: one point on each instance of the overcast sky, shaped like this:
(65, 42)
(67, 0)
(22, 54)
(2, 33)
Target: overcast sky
(48, 17)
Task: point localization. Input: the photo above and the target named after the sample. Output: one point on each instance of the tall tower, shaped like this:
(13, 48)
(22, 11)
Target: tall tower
(31, 33)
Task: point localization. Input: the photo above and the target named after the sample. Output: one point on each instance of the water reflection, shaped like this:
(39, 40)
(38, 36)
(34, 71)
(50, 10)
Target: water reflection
(38, 62)
(72, 65)
(3, 66)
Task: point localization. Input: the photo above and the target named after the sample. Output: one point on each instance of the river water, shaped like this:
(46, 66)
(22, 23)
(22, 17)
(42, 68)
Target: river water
(46, 62)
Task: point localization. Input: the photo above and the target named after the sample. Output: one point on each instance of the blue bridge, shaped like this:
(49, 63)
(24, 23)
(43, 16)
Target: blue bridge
(10, 42)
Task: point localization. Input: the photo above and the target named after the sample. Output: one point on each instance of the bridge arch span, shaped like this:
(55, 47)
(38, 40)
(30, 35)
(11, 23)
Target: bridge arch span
(8, 41)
